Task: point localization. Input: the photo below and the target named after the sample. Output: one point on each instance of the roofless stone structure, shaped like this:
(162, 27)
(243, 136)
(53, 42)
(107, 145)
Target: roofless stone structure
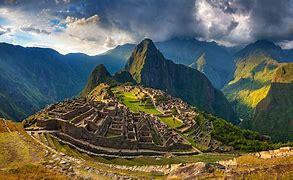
(107, 127)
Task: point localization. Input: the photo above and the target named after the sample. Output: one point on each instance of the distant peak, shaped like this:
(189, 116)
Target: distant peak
(264, 43)
(101, 67)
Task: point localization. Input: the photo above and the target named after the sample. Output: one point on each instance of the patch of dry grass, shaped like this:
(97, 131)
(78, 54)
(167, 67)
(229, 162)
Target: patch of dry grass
(30, 171)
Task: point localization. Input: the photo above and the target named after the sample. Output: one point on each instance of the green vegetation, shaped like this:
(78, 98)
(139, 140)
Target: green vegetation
(193, 143)
(98, 76)
(261, 92)
(180, 81)
(136, 102)
(251, 84)
(172, 122)
(240, 139)
(20, 156)
(274, 113)
(142, 161)
(133, 103)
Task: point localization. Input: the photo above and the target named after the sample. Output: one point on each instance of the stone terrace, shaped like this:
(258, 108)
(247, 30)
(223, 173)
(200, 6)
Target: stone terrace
(166, 104)
(93, 125)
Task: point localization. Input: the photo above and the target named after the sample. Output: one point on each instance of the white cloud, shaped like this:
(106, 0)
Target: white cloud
(84, 35)
(286, 44)
(215, 24)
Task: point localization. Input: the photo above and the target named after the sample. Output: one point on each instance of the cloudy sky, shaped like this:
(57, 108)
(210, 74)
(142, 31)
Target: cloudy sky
(94, 26)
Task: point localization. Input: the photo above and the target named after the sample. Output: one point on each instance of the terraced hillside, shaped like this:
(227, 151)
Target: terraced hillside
(37, 155)
(108, 128)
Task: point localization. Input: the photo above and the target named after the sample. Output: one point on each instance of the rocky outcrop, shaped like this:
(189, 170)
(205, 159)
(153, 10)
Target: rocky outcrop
(148, 67)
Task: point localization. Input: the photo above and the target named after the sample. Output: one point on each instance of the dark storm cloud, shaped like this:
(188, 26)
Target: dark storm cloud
(273, 20)
(156, 19)
(269, 19)
(164, 19)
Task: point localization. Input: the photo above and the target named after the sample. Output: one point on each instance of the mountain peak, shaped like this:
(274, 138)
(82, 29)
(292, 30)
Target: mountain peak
(99, 75)
(148, 67)
(101, 69)
(146, 44)
(265, 44)
(261, 47)
(144, 53)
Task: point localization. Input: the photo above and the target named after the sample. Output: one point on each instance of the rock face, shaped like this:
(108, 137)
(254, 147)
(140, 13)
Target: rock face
(148, 67)
(274, 114)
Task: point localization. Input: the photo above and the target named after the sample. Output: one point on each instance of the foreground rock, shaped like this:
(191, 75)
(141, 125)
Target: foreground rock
(272, 164)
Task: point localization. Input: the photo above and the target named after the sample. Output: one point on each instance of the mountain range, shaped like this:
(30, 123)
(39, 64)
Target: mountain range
(244, 75)
(34, 77)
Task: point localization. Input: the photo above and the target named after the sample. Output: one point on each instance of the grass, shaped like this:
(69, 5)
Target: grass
(193, 143)
(171, 122)
(143, 161)
(132, 102)
(13, 151)
(20, 155)
(30, 171)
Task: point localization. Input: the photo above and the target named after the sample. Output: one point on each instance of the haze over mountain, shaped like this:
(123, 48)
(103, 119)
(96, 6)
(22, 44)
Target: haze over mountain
(34, 77)
(148, 67)
(146, 89)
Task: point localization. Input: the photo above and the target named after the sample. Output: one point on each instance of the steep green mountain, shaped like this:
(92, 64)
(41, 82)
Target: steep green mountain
(255, 68)
(101, 75)
(98, 76)
(252, 79)
(274, 114)
(148, 67)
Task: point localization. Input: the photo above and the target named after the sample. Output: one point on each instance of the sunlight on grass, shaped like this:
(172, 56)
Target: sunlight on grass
(132, 102)
(171, 122)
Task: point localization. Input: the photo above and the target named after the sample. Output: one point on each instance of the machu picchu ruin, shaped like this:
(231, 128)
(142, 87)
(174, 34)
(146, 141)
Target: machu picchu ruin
(102, 123)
